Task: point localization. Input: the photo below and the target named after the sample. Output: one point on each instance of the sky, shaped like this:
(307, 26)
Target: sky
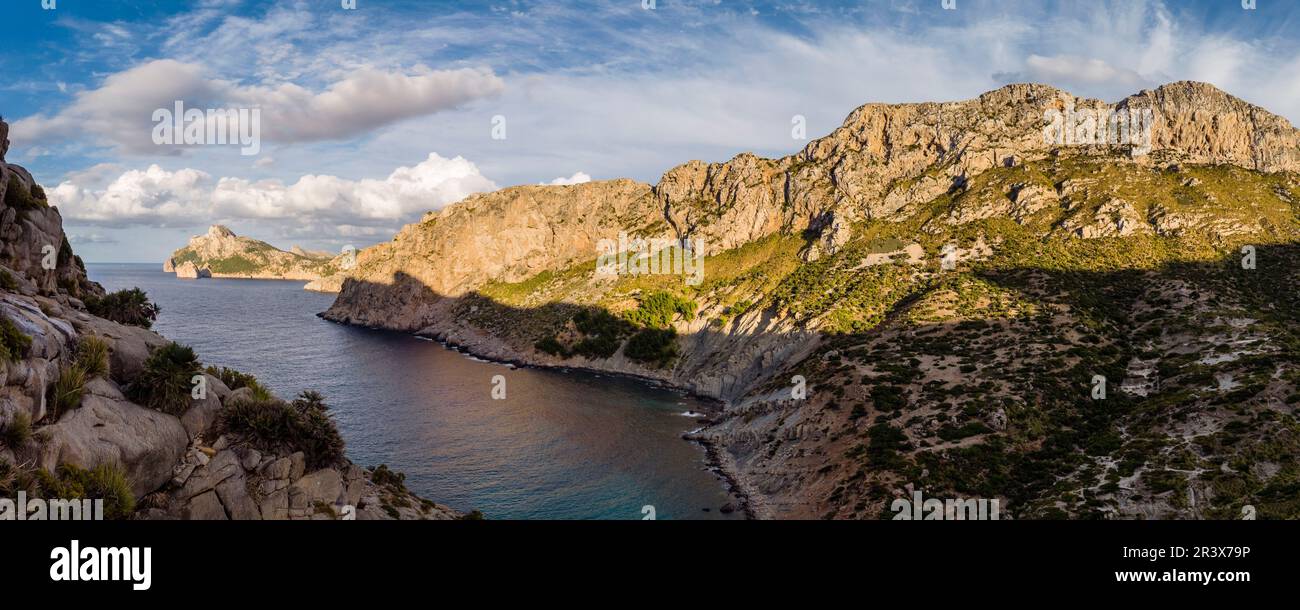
(371, 116)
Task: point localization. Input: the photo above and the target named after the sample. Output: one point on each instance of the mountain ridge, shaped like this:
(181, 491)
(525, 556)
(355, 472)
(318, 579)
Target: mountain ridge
(910, 220)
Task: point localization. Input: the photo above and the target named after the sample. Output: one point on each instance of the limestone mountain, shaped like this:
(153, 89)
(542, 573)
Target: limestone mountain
(95, 405)
(221, 253)
(952, 289)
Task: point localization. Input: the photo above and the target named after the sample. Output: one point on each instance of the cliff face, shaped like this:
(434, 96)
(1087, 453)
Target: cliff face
(506, 236)
(221, 253)
(63, 422)
(947, 282)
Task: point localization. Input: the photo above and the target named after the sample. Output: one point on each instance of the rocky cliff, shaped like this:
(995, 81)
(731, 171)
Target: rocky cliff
(78, 415)
(943, 281)
(221, 253)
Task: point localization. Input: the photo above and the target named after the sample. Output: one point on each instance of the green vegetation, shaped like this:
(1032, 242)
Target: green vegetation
(130, 306)
(277, 426)
(655, 346)
(92, 356)
(13, 342)
(66, 393)
(7, 280)
(167, 380)
(236, 380)
(105, 481)
(235, 264)
(17, 196)
(658, 309)
(15, 433)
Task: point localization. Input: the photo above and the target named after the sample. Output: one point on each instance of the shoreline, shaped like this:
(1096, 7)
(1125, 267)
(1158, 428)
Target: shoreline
(713, 459)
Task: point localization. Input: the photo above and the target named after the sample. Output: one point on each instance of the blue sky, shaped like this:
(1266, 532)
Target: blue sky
(372, 116)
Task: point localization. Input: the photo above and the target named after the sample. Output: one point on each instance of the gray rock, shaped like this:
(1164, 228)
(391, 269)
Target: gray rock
(109, 429)
(234, 496)
(205, 507)
(324, 485)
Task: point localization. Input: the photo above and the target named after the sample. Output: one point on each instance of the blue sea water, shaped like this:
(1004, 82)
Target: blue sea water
(561, 445)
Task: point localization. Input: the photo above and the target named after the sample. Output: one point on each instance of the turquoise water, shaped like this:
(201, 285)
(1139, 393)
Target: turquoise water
(559, 446)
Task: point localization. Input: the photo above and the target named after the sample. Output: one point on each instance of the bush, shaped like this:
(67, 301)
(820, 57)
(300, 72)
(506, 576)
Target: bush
(236, 380)
(13, 343)
(129, 306)
(551, 346)
(17, 431)
(105, 482)
(92, 356)
(17, 196)
(658, 309)
(276, 426)
(167, 379)
(653, 345)
(66, 393)
(7, 280)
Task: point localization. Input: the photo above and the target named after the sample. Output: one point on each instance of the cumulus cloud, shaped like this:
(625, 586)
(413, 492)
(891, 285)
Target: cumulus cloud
(120, 112)
(337, 206)
(576, 178)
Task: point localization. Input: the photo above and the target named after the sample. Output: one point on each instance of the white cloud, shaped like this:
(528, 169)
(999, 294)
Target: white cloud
(576, 178)
(120, 111)
(329, 204)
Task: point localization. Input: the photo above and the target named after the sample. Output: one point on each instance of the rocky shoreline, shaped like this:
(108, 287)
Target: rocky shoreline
(713, 457)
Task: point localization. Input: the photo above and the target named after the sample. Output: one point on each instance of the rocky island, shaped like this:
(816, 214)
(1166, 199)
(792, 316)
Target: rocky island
(934, 295)
(93, 404)
(221, 253)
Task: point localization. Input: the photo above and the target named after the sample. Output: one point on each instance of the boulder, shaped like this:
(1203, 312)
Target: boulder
(107, 428)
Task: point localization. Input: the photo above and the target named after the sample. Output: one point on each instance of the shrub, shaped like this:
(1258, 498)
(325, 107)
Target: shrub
(38, 193)
(384, 477)
(7, 280)
(105, 482)
(18, 197)
(92, 356)
(276, 426)
(656, 346)
(658, 309)
(167, 379)
(129, 306)
(236, 380)
(551, 346)
(13, 343)
(66, 393)
(17, 431)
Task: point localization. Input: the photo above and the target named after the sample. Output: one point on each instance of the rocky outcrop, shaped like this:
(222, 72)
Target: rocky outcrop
(221, 253)
(505, 236)
(188, 271)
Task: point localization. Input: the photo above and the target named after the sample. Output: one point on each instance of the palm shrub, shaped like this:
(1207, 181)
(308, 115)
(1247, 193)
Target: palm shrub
(167, 378)
(276, 426)
(130, 306)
